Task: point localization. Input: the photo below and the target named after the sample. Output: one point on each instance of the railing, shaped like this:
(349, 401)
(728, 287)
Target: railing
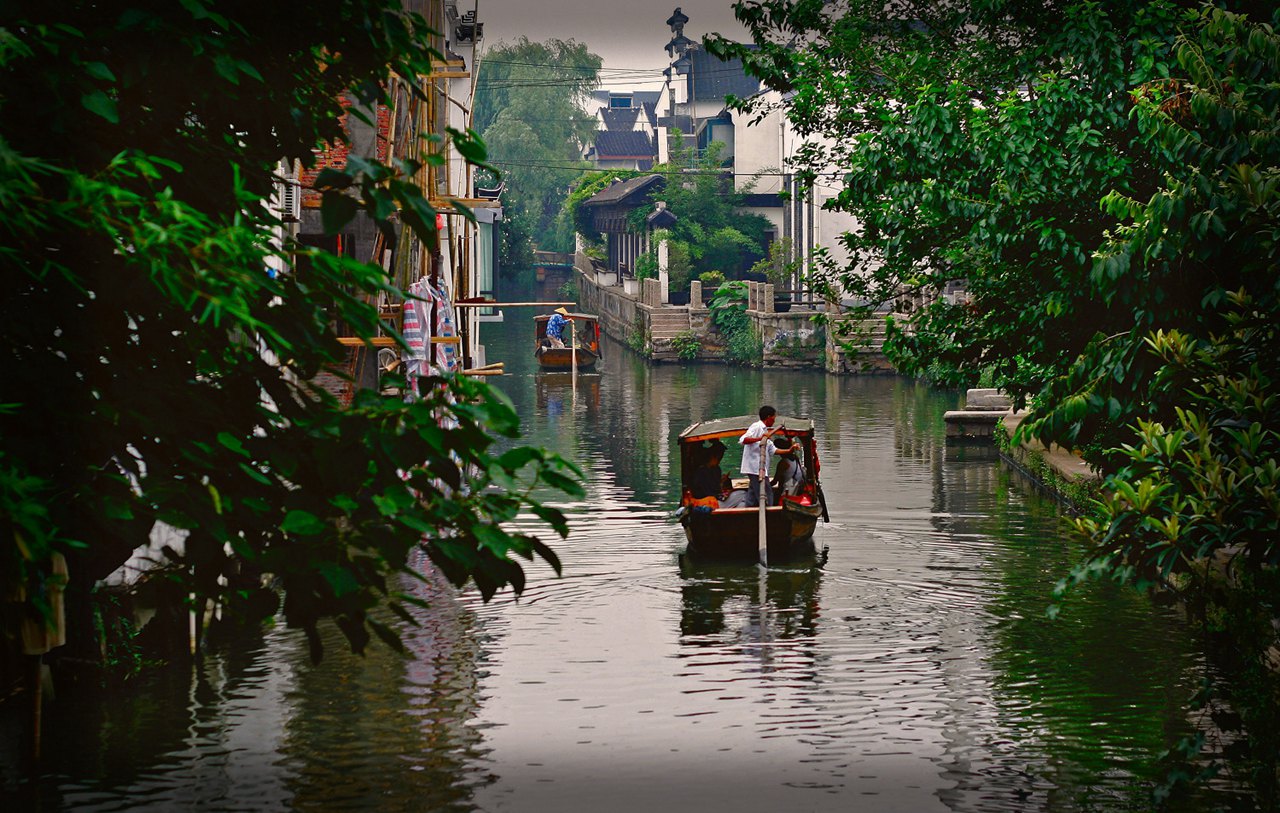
(800, 297)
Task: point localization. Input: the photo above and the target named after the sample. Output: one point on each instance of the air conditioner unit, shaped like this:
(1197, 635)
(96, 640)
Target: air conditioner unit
(289, 194)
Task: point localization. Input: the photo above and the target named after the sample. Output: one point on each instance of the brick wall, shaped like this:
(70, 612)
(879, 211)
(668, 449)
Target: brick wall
(335, 155)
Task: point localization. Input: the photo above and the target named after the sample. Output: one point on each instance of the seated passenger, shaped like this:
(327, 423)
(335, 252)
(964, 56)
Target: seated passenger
(708, 480)
(789, 476)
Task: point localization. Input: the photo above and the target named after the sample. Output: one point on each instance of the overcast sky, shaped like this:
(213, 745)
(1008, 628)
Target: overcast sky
(629, 35)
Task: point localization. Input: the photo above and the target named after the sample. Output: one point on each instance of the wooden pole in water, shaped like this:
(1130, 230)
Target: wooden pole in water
(573, 360)
(764, 501)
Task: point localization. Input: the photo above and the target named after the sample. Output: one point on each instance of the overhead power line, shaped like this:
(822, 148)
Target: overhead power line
(552, 65)
(553, 81)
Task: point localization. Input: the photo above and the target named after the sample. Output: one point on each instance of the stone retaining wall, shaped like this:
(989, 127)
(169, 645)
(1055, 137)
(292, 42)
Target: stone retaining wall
(791, 340)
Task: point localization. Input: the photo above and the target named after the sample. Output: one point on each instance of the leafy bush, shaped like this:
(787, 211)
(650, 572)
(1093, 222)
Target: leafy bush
(712, 279)
(729, 315)
(679, 266)
(569, 290)
(776, 268)
(745, 348)
(687, 344)
(647, 266)
(638, 339)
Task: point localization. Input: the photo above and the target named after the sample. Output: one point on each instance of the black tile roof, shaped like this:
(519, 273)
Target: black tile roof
(712, 79)
(619, 192)
(619, 118)
(628, 144)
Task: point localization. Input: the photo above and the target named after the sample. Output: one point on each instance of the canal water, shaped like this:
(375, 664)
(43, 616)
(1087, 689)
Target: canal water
(913, 667)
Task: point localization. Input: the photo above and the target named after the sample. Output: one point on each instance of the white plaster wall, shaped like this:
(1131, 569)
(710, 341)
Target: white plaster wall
(756, 148)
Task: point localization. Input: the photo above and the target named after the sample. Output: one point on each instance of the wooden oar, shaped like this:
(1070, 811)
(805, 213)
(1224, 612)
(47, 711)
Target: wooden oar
(764, 534)
(573, 360)
(764, 500)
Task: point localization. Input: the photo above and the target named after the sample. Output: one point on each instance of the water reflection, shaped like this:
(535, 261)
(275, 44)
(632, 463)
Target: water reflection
(752, 604)
(914, 669)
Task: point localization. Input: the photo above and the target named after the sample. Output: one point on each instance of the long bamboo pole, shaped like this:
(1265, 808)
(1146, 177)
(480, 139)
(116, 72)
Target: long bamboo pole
(512, 304)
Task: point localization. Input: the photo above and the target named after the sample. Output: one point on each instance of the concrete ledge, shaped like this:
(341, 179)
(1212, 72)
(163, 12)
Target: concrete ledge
(1059, 471)
(987, 399)
(971, 423)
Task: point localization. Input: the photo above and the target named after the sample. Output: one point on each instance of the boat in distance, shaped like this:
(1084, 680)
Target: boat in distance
(587, 350)
(722, 533)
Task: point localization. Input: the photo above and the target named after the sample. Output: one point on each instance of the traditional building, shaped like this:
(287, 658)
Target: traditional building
(626, 127)
(611, 210)
(756, 150)
(463, 262)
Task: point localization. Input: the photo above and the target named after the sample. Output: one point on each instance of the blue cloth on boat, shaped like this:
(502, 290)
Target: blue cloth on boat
(555, 326)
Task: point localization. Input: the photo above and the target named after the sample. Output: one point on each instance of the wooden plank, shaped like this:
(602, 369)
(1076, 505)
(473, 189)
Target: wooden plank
(445, 205)
(388, 341)
(489, 304)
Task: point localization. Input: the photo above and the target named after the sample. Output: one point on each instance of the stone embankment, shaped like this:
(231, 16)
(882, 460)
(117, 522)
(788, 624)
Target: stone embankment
(988, 415)
(983, 409)
(634, 313)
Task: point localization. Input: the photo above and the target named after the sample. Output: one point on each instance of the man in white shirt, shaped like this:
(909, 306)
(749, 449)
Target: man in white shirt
(754, 441)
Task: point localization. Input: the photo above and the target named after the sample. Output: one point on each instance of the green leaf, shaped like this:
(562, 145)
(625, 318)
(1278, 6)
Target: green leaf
(233, 443)
(99, 103)
(302, 523)
(386, 634)
(99, 70)
(336, 211)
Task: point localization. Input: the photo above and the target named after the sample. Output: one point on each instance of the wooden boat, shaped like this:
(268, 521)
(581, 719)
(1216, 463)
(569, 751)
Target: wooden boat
(734, 533)
(586, 331)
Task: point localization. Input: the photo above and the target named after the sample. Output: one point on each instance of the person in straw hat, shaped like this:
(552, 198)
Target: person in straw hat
(555, 326)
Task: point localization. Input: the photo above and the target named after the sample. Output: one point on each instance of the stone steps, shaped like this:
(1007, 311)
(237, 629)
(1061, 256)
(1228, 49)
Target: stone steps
(666, 323)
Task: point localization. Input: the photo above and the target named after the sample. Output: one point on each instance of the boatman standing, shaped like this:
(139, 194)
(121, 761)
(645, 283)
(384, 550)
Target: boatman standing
(555, 326)
(754, 441)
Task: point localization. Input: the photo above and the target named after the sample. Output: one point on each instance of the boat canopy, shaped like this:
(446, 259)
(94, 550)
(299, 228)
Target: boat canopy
(734, 427)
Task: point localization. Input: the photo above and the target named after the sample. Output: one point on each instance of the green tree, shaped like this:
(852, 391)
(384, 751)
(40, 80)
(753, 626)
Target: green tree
(154, 371)
(974, 140)
(710, 230)
(1104, 179)
(1196, 503)
(530, 102)
(711, 234)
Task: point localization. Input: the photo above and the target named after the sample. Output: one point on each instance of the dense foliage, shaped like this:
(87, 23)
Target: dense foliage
(1100, 181)
(710, 233)
(974, 141)
(1197, 499)
(530, 98)
(729, 314)
(710, 230)
(155, 373)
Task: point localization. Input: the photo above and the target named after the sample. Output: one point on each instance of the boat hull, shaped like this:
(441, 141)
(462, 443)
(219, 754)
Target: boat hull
(733, 534)
(558, 358)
